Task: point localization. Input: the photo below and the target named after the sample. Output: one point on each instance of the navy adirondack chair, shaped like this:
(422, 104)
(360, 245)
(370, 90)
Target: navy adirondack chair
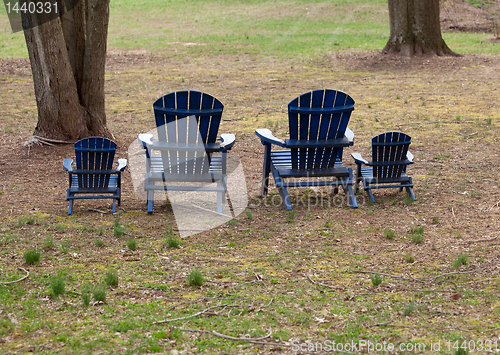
(387, 170)
(94, 176)
(187, 123)
(318, 133)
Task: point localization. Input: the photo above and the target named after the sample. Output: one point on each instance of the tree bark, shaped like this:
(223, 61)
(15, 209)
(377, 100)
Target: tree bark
(415, 28)
(68, 57)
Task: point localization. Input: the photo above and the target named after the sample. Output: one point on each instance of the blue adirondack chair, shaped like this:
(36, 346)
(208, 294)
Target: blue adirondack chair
(318, 133)
(94, 176)
(187, 123)
(387, 170)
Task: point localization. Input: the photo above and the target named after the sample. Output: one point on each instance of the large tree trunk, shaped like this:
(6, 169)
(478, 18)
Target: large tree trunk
(415, 28)
(68, 56)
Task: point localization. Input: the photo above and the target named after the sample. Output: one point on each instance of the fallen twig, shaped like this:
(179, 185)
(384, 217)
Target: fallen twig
(195, 314)
(249, 340)
(418, 279)
(21, 279)
(322, 284)
(479, 240)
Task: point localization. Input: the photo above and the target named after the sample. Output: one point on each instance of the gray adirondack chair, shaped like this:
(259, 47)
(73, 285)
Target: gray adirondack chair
(187, 123)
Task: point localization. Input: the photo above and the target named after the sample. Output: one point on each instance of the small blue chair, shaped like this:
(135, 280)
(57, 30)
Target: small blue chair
(317, 122)
(94, 176)
(187, 123)
(388, 168)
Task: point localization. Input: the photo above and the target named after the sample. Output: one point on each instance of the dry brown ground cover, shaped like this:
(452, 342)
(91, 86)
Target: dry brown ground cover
(304, 276)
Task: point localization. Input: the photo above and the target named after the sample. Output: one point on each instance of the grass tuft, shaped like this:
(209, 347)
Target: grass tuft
(376, 280)
(460, 260)
(389, 233)
(99, 293)
(57, 285)
(131, 244)
(195, 278)
(32, 256)
(111, 278)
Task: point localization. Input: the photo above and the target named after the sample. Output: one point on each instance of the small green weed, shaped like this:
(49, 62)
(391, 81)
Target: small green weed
(111, 277)
(249, 214)
(232, 222)
(118, 229)
(49, 242)
(101, 231)
(32, 256)
(458, 235)
(22, 221)
(460, 260)
(64, 246)
(195, 278)
(417, 230)
(389, 233)
(60, 227)
(442, 156)
(408, 310)
(376, 280)
(99, 293)
(409, 258)
(417, 238)
(131, 244)
(435, 220)
(172, 241)
(57, 285)
(86, 295)
(99, 242)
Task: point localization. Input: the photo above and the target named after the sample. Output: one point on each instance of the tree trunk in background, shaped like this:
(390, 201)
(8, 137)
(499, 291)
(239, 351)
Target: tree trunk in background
(415, 28)
(68, 57)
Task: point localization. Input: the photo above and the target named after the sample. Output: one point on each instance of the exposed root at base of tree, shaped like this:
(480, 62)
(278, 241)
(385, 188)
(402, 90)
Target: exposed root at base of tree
(416, 49)
(38, 140)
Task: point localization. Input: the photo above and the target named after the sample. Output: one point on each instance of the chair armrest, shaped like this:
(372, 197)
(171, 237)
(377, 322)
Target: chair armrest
(227, 141)
(145, 139)
(358, 159)
(266, 136)
(67, 165)
(122, 164)
(409, 156)
(349, 135)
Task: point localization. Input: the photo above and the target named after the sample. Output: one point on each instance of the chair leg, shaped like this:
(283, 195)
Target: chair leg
(409, 189)
(70, 207)
(358, 178)
(370, 194)
(150, 201)
(285, 198)
(266, 169)
(114, 206)
(220, 197)
(351, 197)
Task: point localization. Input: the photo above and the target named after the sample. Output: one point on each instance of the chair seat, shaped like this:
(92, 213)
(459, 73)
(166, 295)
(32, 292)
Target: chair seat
(281, 161)
(367, 174)
(187, 172)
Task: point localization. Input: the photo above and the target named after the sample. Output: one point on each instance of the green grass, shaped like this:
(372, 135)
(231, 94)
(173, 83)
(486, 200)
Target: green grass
(303, 29)
(32, 256)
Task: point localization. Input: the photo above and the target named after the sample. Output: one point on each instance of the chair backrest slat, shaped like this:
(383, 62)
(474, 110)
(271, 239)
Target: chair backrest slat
(187, 117)
(94, 154)
(318, 115)
(389, 148)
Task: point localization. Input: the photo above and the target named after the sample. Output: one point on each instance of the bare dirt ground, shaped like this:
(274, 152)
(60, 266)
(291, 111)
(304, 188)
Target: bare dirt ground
(449, 106)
